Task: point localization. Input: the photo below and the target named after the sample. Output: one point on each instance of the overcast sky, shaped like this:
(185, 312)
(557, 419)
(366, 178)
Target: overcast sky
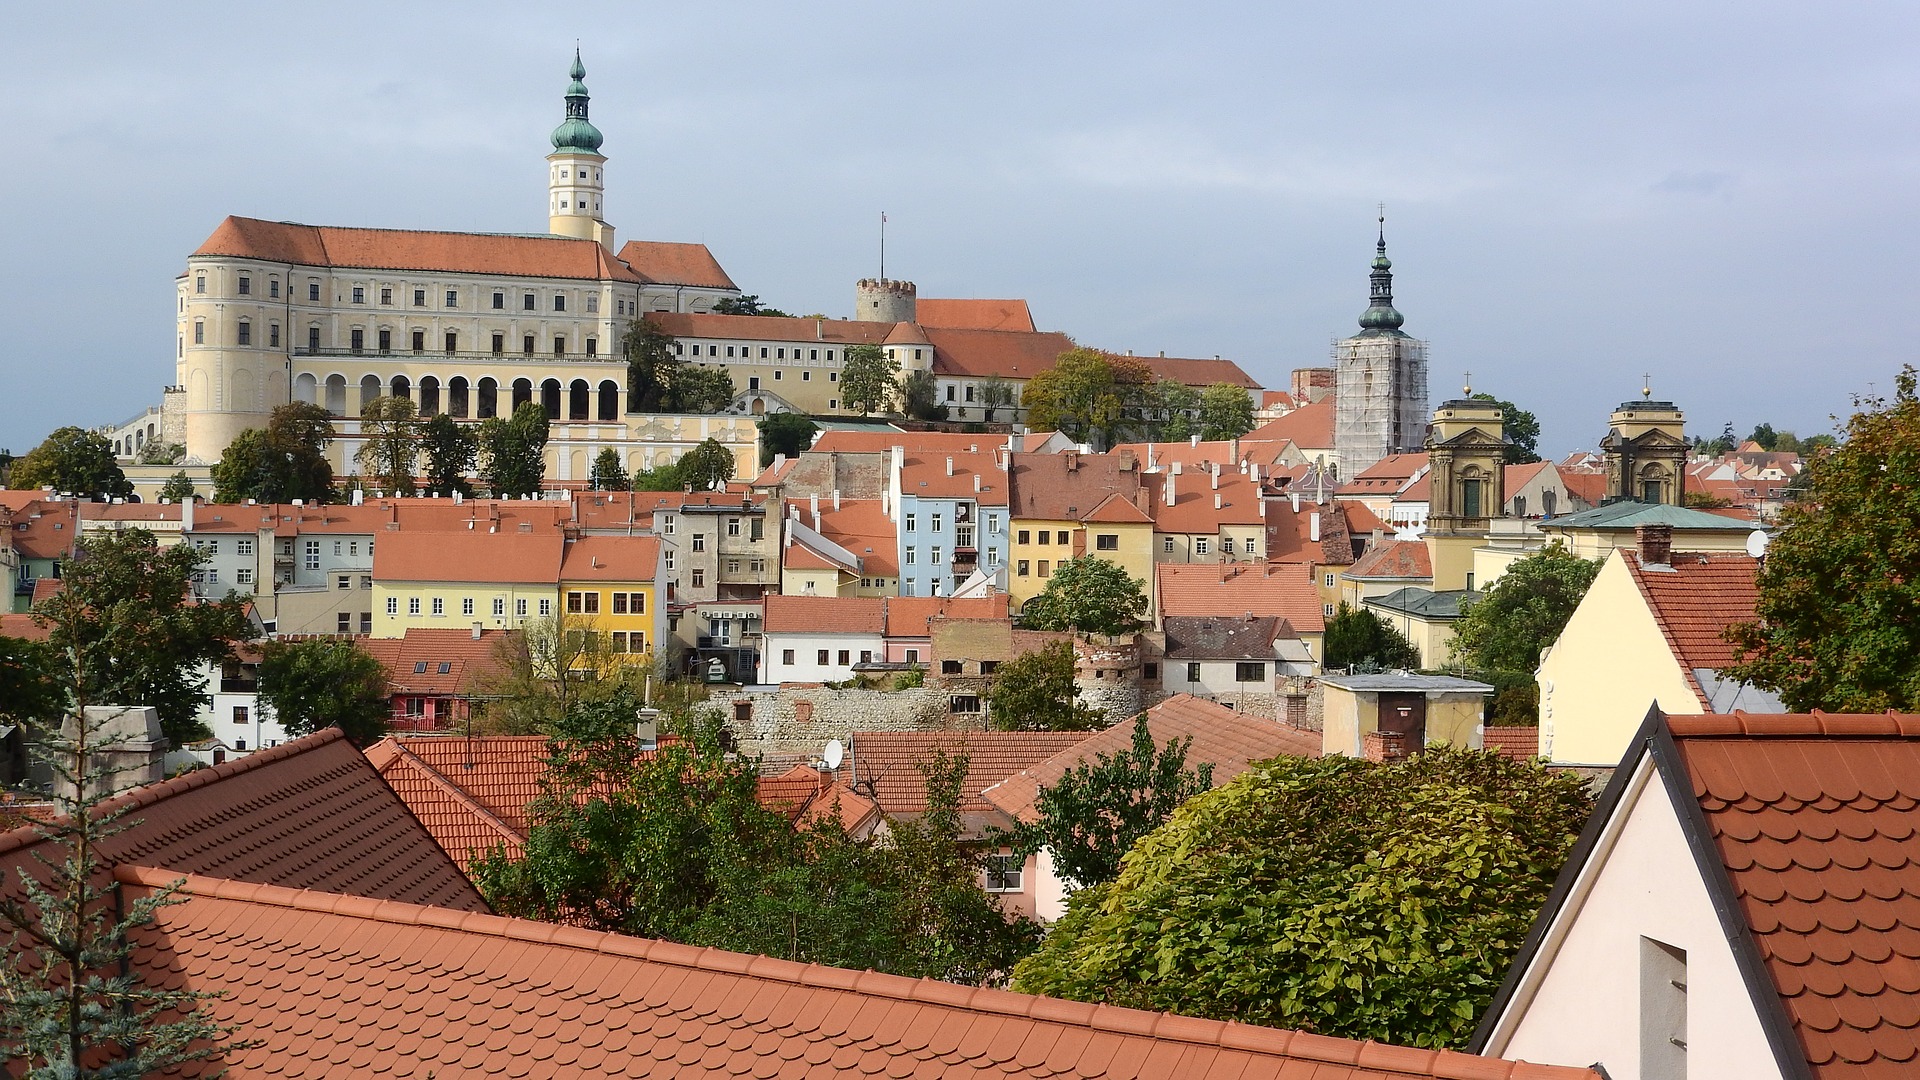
(1577, 193)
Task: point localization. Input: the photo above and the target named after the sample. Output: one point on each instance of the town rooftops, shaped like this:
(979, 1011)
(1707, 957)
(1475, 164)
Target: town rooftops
(1198, 373)
(1309, 426)
(837, 333)
(1695, 597)
(494, 254)
(1004, 354)
(825, 615)
(1071, 485)
(1395, 560)
(611, 558)
(436, 661)
(974, 314)
(472, 557)
(661, 263)
(911, 616)
(446, 802)
(381, 985)
(1631, 514)
(1285, 591)
(1393, 682)
(952, 475)
(1424, 603)
(1219, 637)
(916, 443)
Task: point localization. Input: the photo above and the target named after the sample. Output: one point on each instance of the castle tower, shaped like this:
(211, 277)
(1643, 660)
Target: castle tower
(1646, 451)
(1380, 405)
(884, 300)
(1467, 455)
(574, 169)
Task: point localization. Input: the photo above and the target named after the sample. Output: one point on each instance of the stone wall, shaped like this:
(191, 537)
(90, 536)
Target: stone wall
(801, 719)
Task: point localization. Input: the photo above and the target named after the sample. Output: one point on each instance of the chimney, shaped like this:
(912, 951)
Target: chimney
(949, 464)
(1073, 460)
(813, 507)
(1313, 527)
(1196, 440)
(1656, 546)
(186, 514)
(836, 500)
(1215, 474)
(1233, 450)
(476, 631)
(1172, 476)
(1295, 496)
(976, 483)
(1217, 504)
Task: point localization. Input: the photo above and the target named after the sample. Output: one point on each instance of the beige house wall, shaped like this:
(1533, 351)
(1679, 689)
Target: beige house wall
(452, 595)
(1611, 663)
(1599, 543)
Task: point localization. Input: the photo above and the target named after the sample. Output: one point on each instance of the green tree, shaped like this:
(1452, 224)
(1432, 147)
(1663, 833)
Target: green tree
(1226, 412)
(320, 683)
(1091, 396)
(1765, 436)
(1839, 606)
(994, 393)
(608, 473)
(746, 305)
(1089, 595)
(868, 378)
(696, 388)
(1521, 428)
(785, 433)
(451, 448)
(30, 688)
(513, 451)
(1359, 639)
(1035, 692)
(1523, 611)
(391, 454)
(652, 357)
(1177, 410)
(73, 460)
(128, 632)
(659, 478)
(1099, 809)
(706, 467)
(284, 461)
(1333, 895)
(920, 396)
(77, 1005)
(178, 487)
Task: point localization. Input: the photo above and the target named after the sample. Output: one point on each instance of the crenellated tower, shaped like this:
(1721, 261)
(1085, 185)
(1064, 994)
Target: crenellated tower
(576, 168)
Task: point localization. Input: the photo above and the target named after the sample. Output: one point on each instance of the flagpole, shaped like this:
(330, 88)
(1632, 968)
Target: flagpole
(883, 245)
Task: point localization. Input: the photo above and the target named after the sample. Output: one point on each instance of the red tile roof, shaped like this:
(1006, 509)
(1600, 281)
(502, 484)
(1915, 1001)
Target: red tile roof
(1696, 601)
(1309, 426)
(332, 986)
(1198, 373)
(1396, 560)
(460, 555)
(1390, 472)
(1519, 476)
(909, 616)
(23, 626)
(469, 660)
(1193, 510)
(1007, 354)
(408, 249)
(890, 760)
(1191, 454)
(821, 332)
(1069, 486)
(862, 527)
(924, 474)
(1588, 487)
(1518, 743)
(825, 615)
(460, 823)
(1224, 738)
(974, 314)
(925, 444)
(1815, 817)
(611, 558)
(1361, 520)
(1284, 590)
(499, 773)
(675, 264)
(307, 814)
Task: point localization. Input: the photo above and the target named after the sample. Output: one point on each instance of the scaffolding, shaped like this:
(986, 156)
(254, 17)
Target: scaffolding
(1380, 398)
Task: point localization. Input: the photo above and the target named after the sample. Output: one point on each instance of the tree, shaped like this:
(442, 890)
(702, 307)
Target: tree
(785, 433)
(1523, 611)
(320, 683)
(1838, 624)
(608, 473)
(868, 378)
(128, 632)
(77, 1005)
(284, 461)
(1035, 692)
(1226, 412)
(30, 688)
(1088, 595)
(920, 396)
(391, 453)
(73, 460)
(178, 487)
(652, 356)
(659, 478)
(706, 467)
(696, 388)
(1098, 810)
(513, 451)
(1176, 410)
(1091, 396)
(746, 305)
(1333, 895)
(1357, 638)
(451, 449)
(1521, 428)
(1765, 436)
(545, 670)
(994, 393)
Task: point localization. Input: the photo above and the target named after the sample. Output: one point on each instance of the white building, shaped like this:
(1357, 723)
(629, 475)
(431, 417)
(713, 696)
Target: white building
(812, 639)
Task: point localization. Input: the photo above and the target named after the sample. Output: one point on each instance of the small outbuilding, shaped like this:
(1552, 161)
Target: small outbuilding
(1388, 715)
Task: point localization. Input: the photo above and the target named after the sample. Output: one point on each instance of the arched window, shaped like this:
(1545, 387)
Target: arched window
(337, 395)
(369, 390)
(487, 403)
(609, 400)
(522, 392)
(579, 400)
(550, 398)
(429, 395)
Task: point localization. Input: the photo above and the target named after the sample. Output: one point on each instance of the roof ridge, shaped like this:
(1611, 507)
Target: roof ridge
(414, 232)
(402, 754)
(148, 794)
(1744, 724)
(1100, 1017)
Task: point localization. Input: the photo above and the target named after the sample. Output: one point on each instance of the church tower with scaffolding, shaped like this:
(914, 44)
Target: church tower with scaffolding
(1380, 405)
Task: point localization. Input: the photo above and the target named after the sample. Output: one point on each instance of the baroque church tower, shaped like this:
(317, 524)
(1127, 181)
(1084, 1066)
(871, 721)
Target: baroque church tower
(1380, 405)
(575, 169)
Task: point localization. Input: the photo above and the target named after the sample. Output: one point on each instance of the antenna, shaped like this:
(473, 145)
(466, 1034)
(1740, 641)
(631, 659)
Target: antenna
(883, 245)
(834, 754)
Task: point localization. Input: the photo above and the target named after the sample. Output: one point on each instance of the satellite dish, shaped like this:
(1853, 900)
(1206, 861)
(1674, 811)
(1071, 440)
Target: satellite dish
(1757, 544)
(833, 754)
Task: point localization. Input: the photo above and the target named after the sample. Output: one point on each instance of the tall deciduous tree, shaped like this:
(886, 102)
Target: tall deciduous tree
(994, 394)
(451, 449)
(1035, 692)
(1839, 607)
(868, 378)
(73, 460)
(1521, 428)
(129, 633)
(31, 690)
(513, 451)
(1091, 396)
(1089, 595)
(178, 487)
(652, 357)
(1095, 813)
(706, 467)
(1226, 412)
(320, 683)
(1334, 895)
(695, 388)
(284, 461)
(920, 396)
(1358, 638)
(747, 305)
(1175, 411)
(1523, 611)
(391, 453)
(608, 473)
(785, 433)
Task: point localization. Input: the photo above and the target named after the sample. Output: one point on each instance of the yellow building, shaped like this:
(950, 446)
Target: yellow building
(1408, 712)
(1067, 505)
(615, 583)
(1596, 533)
(493, 581)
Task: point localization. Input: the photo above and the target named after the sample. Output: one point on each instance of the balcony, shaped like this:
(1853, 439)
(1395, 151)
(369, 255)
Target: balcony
(411, 356)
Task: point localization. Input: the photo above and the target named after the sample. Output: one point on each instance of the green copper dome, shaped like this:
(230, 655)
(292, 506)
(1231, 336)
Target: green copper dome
(1380, 316)
(575, 132)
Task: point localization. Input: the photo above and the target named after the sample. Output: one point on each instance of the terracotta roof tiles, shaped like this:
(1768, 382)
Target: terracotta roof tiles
(460, 555)
(410, 249)
(665, 263)
(974, 314)
(611, 558)
(1006, 354)
(1282, 590)
(414, 660)
(1198, 372)
(1396, 560)
(825, 615)
(1309, 426)
(822, 332)
(1696, 600)
(890, 760)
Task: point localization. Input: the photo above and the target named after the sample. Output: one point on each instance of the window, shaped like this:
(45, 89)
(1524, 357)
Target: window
(777, 375)
(1470, 498)
(419, 341)
(273, 288)
(619, 603)
(245, 285)
(313, 554)
(386, 341)
(913, 656)
(560, 346)
(313, 290)
(1046, 568)
(243, 576)
(964, 703)
(699, 578)
(559, 302)
(245, 330)
(439, 607)
(273, 335)
(1022, 538)
(200, 283)
(419, 298)
(1201, 545)
(1060, 538)
(386, 295)
(453, 341)
(413, 605)
(1250, 671)
(200, 332)
(520, 608)
(526, 302)
(1003, 872)
(934, 556)
(366, 581)
(546, 607)
(936, 522)
(699, 541)
(1045, 537)
(499, 606)
(453, 298)
(593, 346)
(593, 304)
(1107, 542)
(357, 339)
(1193, 672)
(446, 667)
(343, 623)
(359, 294)
(393, 605)
(419, 667)
(526, 344)
(637, 602)
(911, 518)
(313, 339)
(366, 622)
(1329, 579)
(344, 581)
(1326, 611)
(1166, 545)
(911, 553)
(1150, 672)
(786, 656)
(499, 301)
(845, 657)
(821, 658)
(466, 605)
(583, 603)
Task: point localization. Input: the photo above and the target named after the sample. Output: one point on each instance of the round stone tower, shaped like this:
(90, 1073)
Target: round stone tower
(883, 300)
